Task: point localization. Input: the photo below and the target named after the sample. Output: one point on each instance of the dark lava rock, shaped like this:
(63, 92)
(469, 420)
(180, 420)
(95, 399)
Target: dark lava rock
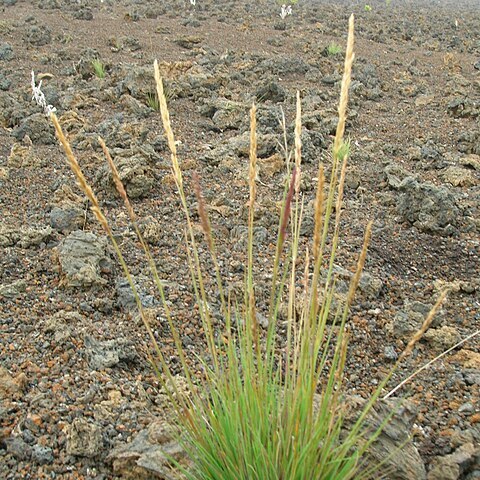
(428, 207)
(272, 91)
(6, 51)
(38, 129)
(5, 82)
(66, 219)
(38, 36)
(126, 298)
(283, 65)
(83, 14)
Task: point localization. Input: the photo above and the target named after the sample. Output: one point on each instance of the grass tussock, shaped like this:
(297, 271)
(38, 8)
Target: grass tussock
(268, 406)
(99, 68)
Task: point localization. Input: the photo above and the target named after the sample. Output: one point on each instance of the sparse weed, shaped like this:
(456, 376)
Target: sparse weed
(98, 68)
(333, 49)
(152, 101)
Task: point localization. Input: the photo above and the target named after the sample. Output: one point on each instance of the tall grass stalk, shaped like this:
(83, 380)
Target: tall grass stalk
(269, 406)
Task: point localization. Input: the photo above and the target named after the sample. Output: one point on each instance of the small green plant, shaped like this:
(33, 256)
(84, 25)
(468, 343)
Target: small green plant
(98, 68)
(368, 8)
(333, 49)
(152, 101)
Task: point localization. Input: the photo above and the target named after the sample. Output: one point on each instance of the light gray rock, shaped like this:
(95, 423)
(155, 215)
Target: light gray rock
(428, 207)
(147, 456)
(394, 445)
(42, 455)
(395, 175)
(24, 237)
(13, 290)
(135, 173)
(108, 353)
(83, 256)
(460, 177)
(84, 439)
(441, 339)
(456, 465)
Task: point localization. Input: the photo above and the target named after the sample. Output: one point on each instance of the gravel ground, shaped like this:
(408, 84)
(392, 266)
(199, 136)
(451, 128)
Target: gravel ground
(75, 385)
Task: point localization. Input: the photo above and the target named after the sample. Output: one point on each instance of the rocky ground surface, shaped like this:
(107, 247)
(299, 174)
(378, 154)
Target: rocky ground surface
(78, 400)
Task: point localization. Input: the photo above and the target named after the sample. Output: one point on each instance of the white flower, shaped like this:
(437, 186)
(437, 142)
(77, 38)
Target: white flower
(286, 10)
(193, 2)
(39, 97)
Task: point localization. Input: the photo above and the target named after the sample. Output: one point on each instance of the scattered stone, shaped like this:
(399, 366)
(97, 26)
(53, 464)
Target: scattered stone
(429, 208)
(13, 290)
(5, 82)
(442, 338)
(471, 161)
(390, 353)
(230, 118)
(151, 230)
(149, 455)
(84, 439)
(126, 298)
(18, 448)
(395, 175)
(369, 285)
(42, 455)
(83, 257)
(11, 387)
(83, 14)
(62, 323)
(283, 65)
(467, 407)
(22, 156)
(409, 320)
(460, 177)
(472, 377)
(23, 237)
(108, 353)
(189, 41)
